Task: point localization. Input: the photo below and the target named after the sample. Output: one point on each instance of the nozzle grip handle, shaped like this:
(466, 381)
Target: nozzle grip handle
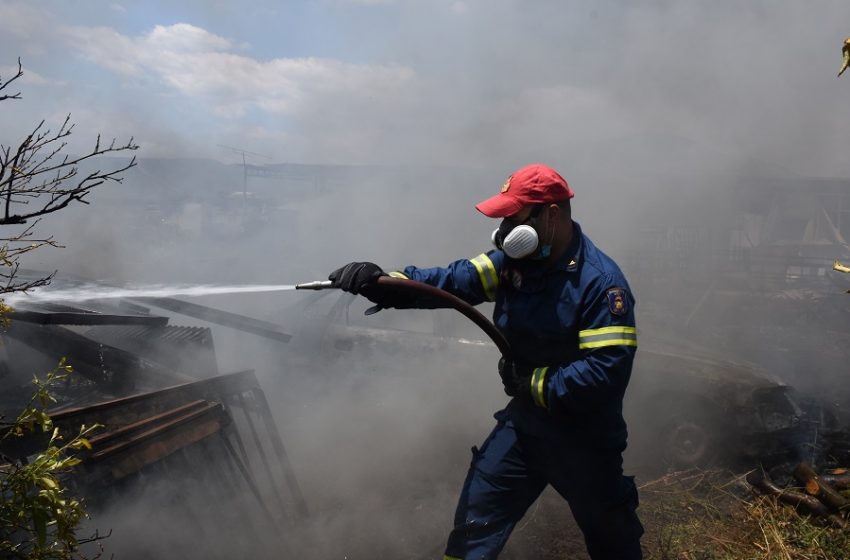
(317, 285)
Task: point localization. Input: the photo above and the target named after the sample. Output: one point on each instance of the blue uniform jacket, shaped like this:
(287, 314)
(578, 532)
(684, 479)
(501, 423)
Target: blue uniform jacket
(572, 321)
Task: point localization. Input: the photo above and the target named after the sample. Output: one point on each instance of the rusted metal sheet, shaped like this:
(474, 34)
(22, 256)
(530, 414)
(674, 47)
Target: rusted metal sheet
(219, 317)
(130, 415)
(115, 369)
(186, 349)
(145, 424)
(126, 410)
(168, 333)
(134, 447)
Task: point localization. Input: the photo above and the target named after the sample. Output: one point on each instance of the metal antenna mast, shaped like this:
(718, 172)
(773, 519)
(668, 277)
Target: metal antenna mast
(244, 166)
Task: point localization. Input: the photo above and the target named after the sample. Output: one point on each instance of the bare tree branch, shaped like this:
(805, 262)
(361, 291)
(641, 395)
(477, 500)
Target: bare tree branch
(5, 83)
(37, 179)
(32, 171)
(11, 249)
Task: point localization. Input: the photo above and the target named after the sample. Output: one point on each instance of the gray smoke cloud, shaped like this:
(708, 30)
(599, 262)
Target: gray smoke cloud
(460, 83)
(652, 112)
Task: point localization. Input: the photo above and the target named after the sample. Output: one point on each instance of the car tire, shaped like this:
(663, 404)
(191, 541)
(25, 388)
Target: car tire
(686, 436)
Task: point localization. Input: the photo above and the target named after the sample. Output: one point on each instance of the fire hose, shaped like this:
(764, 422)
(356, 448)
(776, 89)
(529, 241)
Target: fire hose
(444, 298)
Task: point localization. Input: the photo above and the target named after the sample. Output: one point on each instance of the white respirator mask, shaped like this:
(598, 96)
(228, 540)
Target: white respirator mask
(518, 242)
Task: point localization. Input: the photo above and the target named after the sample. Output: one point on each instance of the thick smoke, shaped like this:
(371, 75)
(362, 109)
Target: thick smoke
(656, 114)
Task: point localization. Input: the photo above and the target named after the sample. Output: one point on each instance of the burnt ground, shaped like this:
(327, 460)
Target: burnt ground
(688, 515)
(692, 515)
(547, 532)
(421, 523)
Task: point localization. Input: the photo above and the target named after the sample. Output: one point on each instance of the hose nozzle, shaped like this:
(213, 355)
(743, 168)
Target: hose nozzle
(317, 285)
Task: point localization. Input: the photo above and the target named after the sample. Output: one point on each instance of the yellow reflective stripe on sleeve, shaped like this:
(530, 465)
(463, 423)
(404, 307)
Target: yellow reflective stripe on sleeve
(538, 383)
(607, 336)
(447, 557)
(612, 342)
(607, 330)
(487, 274)
(397, 274)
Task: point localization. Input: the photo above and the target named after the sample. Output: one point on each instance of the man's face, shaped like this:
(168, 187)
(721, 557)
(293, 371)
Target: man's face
(526, 216)
(521, 217)
(537, 216)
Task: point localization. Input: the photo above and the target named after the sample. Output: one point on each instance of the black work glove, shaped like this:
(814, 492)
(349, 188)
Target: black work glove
(360, 278)
(355, 276)
(516, 378)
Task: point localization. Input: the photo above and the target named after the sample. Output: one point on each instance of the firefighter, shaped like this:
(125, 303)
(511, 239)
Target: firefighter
(568, 313)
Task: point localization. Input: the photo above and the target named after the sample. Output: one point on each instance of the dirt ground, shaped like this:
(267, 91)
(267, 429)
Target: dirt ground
(691, 515)
(547, 532)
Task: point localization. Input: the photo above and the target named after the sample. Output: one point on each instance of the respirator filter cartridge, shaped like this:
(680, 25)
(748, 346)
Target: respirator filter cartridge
(520, 242)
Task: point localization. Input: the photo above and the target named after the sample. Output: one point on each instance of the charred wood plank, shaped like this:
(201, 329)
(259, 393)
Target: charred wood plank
(839, 481)
(804, 504)
(53, 314)
(219, 317)
(817, 487)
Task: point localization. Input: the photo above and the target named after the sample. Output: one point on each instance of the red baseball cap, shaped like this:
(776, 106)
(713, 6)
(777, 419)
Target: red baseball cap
(533, 184)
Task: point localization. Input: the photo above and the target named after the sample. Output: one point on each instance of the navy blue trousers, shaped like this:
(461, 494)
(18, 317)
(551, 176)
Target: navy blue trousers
(509, 472)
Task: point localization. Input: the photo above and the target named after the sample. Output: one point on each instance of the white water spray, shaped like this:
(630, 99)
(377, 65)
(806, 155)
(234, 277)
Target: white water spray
(88, 292)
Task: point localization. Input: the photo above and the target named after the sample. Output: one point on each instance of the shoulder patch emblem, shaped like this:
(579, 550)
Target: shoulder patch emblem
(506, 185)
(617, 303)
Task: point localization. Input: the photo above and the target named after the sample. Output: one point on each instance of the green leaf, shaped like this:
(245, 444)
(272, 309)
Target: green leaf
(39, 521)
(48, 482)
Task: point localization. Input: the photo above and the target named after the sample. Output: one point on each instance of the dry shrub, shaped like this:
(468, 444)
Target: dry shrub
(713, 515)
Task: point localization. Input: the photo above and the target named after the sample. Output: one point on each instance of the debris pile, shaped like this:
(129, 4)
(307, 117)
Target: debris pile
(170, 419)
(824, 496)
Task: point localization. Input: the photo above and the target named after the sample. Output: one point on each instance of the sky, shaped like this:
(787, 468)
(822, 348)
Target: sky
(468, 83)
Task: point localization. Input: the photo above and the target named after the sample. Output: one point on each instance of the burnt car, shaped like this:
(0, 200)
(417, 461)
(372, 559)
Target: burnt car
(697, 410)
